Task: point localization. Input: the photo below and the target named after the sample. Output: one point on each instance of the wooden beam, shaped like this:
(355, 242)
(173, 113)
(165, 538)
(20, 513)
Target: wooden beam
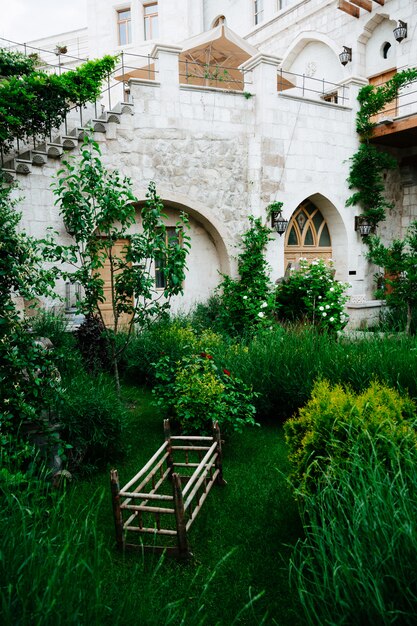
(348, 8)
(381, 2)
(399, 126)
(363, 4)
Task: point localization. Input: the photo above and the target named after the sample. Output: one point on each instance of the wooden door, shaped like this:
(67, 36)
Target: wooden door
(390, 109)
(119, 251)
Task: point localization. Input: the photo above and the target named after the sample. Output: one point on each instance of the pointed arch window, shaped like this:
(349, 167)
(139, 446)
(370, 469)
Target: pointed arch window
(308, 228)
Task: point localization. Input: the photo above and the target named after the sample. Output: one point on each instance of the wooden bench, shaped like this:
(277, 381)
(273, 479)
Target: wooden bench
(165, 497)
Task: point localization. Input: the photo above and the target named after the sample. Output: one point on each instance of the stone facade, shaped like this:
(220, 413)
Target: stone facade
(222, 154)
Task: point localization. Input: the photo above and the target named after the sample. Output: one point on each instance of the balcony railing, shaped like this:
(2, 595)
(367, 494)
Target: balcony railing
(304, 86)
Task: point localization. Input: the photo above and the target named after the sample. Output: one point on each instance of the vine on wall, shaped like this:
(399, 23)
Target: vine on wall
(368, 163)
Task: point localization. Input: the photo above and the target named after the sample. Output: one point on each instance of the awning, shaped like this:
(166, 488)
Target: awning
(211, 58)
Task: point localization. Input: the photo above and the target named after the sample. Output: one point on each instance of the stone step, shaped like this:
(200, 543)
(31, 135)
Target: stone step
(23, 166)
(39, 157)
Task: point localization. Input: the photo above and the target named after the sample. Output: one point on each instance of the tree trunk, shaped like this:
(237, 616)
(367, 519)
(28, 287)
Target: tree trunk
(115, 364)
(409, 315)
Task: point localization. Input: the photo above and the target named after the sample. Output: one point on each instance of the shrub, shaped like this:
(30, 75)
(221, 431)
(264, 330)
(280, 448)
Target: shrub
(92, 343)
(321, 437)
(312, 294)
(197, 391)
(175, 339)
(92, 418)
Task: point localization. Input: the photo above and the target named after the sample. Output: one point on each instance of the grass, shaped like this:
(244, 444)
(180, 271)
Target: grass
(357, 563)
(60, 564)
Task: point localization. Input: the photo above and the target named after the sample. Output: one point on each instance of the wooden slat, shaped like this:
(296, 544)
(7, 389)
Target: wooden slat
(192, 448)
(199, 482)
(147, 496)
(363, 4)
(186, 464)
(145, 468)
(203, 497)
(381, 2)
(152, 531)
(348, 8)
(149, 509)
(204, 461)
(152, 473)
(190, 438)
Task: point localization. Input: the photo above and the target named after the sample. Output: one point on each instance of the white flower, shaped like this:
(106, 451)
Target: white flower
(324, 314)
(327, 306)
(314, 263)
(261, 314)
(319, 297)
(264, 304)
(331, 289)
(245, 297)
(321, 308)
(331, 319)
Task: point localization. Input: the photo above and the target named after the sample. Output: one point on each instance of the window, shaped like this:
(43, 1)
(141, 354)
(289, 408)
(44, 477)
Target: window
(171, 239)
(124, 27)
(150, 18)
(259, 11)
(330, 97)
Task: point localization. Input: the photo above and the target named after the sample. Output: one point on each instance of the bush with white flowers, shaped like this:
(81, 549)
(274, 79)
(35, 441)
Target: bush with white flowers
(311, 294)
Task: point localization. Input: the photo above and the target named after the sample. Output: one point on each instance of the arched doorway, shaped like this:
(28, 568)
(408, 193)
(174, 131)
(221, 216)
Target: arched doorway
(307, 235)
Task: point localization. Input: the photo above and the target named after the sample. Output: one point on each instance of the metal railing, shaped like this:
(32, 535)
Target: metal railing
(115, 91)
(305, 86)
(404, 105)
(212, 75)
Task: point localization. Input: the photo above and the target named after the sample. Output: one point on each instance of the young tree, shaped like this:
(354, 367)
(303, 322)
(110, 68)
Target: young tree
(399, 261)
(98, 208)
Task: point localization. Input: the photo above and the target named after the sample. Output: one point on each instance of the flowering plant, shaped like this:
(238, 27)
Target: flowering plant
(247, 303)
(195, 391)
(311, 293)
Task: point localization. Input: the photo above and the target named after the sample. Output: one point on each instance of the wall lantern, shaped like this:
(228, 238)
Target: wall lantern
(278, 222)
(400, 32)
(346, 55)
(363, 226)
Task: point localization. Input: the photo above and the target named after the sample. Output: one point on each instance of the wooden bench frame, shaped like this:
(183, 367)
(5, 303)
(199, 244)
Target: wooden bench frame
(189, 492)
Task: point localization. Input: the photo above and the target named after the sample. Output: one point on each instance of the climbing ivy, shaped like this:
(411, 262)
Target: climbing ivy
(368, 163)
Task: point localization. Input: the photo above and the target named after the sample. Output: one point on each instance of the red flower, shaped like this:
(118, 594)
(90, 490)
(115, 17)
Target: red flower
(226, 372)
(203, 354)
(209, 356)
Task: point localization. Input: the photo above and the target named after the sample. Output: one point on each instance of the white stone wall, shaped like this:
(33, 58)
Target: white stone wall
(223, 157)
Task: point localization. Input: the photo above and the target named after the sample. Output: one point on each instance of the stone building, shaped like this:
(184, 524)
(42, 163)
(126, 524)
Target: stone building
(230, 105)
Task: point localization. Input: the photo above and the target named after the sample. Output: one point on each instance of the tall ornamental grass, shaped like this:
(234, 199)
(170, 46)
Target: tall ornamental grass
(354, 461)
(357, 563)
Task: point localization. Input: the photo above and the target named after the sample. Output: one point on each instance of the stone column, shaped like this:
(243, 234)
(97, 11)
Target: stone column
(264, 160)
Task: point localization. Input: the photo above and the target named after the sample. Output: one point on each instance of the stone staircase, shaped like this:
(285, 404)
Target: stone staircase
(21, 163)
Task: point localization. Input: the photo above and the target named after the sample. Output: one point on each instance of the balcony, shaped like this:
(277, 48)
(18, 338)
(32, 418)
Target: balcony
(396, 125)
(321, 90)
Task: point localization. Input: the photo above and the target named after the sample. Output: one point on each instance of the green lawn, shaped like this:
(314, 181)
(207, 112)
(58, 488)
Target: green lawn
(241, 540)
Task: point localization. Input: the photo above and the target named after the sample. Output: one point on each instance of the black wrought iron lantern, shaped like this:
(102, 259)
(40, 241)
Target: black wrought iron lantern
(363, 226)
(278, 222)
(345, 56)
(400, 32)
